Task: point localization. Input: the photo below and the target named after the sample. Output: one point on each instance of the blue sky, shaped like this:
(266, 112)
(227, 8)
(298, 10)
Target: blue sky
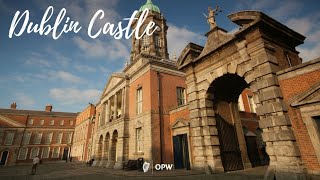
(72, 71)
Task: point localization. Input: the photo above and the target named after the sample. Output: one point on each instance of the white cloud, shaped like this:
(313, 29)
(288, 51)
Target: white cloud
(37, 59)
(301, 25)
(24, 100)
(83, 10)
(84, 68)
(178, 39)
(65, 76)
(69, 96)
(112, 49)
(309, 53)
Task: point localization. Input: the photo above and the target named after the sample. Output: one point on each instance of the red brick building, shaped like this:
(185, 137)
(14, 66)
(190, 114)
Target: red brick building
(83, 134)
(25, 134)
(300, 86)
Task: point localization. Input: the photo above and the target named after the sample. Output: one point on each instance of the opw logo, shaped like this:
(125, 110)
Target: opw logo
(158, 167)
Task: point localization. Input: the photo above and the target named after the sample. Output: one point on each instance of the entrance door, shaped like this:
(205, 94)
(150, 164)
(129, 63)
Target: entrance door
(181, 152)
(4, 157)
(229, 146)
(65, 154)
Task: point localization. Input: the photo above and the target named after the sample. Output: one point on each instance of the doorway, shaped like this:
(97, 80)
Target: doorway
(4, 157)
(181, 152)
(65, 153)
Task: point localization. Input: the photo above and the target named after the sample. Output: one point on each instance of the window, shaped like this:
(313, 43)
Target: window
(41, 122)
(181, 96)
(55, 152)
(59, 138)
(34, 153)
(145, 42)
(139, 100)
(9, 138)
(61, 122)
(138, 140)
(252, 104)
(240, 103)
(45, 152)
(23, 154)
(51, 122)
(48, 138)
(37, 138)
(26, 138)
(69, 137)
(157, 42)
(30, 121)
(71, 122)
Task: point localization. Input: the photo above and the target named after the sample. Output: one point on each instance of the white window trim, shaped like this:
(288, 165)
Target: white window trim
(48, 152)
(30, 121)
(42, 122)
(61, 123)
(240, 102)
(32, 150)
(252, 109)
(57, 153)
(34, 140)
(25, 155)
(23, 141)
(5, 140)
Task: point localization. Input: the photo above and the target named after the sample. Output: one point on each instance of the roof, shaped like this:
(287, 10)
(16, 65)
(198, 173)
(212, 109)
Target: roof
(35, 113)
(149, 5)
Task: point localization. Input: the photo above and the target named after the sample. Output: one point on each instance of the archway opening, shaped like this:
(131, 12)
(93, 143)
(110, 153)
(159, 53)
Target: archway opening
(224, 92)
(113, 156)
(4, 158)
(106, 146)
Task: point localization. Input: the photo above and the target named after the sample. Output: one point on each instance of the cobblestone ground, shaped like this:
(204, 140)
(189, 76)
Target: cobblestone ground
(75, 171)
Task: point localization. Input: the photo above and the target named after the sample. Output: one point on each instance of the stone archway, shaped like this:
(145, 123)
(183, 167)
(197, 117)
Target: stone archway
(223, 93)
(256, 55)
(113, 149)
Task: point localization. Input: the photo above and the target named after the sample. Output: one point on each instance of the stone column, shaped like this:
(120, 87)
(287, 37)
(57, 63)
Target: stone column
(274, 120)
(204, 139)
(119, 154)
(110, 162)
(104, 157)
(115, 106)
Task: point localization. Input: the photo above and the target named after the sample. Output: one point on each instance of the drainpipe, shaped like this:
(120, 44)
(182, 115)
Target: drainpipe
(160, 115)
(21, 141)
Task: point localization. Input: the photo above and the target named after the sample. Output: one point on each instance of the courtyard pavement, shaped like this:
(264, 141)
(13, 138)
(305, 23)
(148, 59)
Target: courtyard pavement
(76, 171)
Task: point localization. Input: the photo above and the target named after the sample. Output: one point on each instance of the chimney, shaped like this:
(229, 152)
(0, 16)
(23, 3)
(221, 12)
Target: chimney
(13, 105)
(48, 108)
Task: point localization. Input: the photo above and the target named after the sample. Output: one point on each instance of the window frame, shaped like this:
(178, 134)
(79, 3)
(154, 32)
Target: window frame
(139, 100)
(181, 100)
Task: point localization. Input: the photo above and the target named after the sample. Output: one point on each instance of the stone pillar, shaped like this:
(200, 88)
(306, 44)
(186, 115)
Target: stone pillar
(109, 110)
(204, 139)
(115, 106)
(241, 138)
(104, 157)
(119, 154)
(274, 120)
(110, 162)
